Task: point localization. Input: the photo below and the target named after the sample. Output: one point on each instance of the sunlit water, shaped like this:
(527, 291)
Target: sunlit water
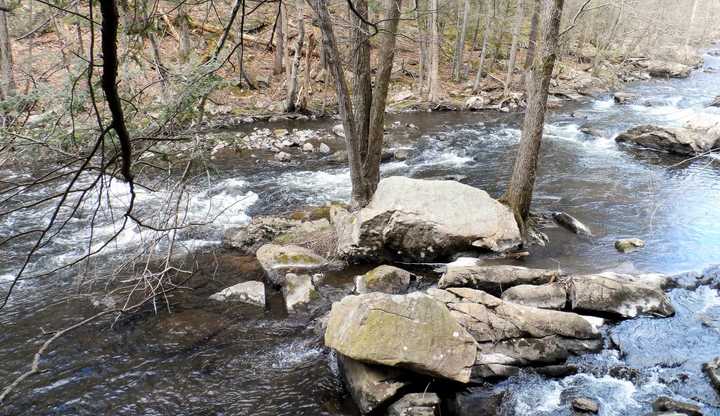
(209, 358)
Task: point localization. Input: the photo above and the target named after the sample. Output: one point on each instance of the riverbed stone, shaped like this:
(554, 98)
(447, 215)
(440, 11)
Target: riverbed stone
(624, 97)
(416, 404)
(585, 405)
(411, 331)
(252, 292)
(324, 149)
(283, 157)
(260, 230)
(712, 369)
(493, 279)
(277, 260)
(308, 147)
(385, 278)
(422, 220)
(371, 386)
(666, 404)
(611, 293)
(666, 69)
(571, 223)
(680, 141)
(627, 245)
(298, 290)
(547, 296)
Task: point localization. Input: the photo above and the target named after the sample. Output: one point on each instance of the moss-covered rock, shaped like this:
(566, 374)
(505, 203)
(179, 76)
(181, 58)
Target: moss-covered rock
(277, 260)
(386, 279)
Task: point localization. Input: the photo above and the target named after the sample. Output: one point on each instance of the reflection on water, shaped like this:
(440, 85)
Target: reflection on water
(209, 358)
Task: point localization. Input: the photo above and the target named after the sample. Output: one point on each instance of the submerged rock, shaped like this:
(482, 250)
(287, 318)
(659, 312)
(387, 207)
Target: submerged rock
(261, 230)
(493, 279)
(416, 404)
(666, 404)
(624, 97)
(585, 405)
(547, 296)
(277, 260)
(299, 290)
(615, 294)
(627, 245)
(411, 331)
(371, 386)
(712, 369)
(423, 220)
(386, 279)
(251, 292)
(283, 157)
(673, 140)
(571, 223)
(715, 102)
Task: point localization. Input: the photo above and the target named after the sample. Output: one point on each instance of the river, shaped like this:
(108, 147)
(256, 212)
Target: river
(210, 358)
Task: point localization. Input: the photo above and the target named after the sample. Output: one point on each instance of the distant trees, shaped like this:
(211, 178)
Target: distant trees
(7, 81)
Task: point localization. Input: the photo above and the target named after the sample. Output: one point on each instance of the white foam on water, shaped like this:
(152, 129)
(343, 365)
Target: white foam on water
(325, 185)
(293, 354)
(538, 398)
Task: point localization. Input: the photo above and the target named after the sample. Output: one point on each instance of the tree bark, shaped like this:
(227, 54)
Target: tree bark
(360, 67)
(279, 44)
(183, 24)
(7, 82)
(305, 90)
(292, 85)
(460, 47)
(520, 190)
(532, 38)
(423, 47)
(519, 18)
(433, 73)
(486, 36)
(691, 26)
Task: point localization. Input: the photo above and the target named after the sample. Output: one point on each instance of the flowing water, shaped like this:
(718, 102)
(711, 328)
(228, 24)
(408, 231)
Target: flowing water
(210, 358)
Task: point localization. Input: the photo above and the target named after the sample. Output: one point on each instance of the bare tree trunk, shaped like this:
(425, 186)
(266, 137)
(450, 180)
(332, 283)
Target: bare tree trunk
(423, 47)
(519, 17)
(601, 50)
(691, 26)
(279, 42)
(364, 165)
(433, 73)
(7, 82)
(460, 47)
(360, 67)
(486, 36)
(532, 39)
(305, 91)
(292, 85)
(520, 190)
(183, 24)
(285, 41)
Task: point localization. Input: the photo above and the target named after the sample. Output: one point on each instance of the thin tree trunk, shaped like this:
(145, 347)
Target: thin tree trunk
(292, 85)
(423, 58)
(532, 38)
(305, 91)
(183, 25)
(520, 190)
(519, 18)
(691, 26)
(486, 37)
(433, 73)
(285, 41)
(279, 43)
(7, 82)
(360, 67)
(460, 47)
(477, 30)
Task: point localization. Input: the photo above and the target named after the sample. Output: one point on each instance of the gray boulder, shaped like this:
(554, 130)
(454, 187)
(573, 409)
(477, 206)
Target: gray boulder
(628, 245)
(512, 336)
(547, 296)
(612, 293)
(261, 230)
(715, 102)
(585, 405)
(416, 404)
(712, 369)
(624, 97)
(251, 292)
(493, 279)
(411, 331)
(277, 260)
(299, 290)
(673, 140)
(386, 279)
(421, 220)
(665, 69)
(371, 386)
(666, 404)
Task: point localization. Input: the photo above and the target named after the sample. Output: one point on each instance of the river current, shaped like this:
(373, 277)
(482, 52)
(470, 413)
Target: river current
(210, 358)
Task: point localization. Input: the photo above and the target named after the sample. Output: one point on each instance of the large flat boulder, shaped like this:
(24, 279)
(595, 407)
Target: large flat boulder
(371, 386)
(666, 69)
(278, 260)
(251, 292)
(493, 279)
(413, 219)
(673, 140)
(619, 295)
(511, 336)
(548, 296)
(411, 331)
